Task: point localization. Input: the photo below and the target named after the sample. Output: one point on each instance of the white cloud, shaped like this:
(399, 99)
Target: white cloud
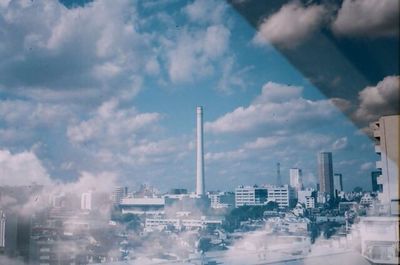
(238, 154)
(231, 77)
(274, 92)
(264, 142)
(382, 99)
(278, 105)
(340, 143)
(111, 125)
(342, 104)
(30, 114)
(93, 47)
(193, 53)
(22, 168)
(291, 25)
(371, 18)
(203, 11)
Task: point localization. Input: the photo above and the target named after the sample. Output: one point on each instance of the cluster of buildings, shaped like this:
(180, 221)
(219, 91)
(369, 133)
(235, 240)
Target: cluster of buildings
(76, 230)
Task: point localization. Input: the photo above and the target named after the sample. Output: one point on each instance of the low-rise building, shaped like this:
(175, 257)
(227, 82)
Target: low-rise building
(307, 197)
(220, 200)
(250, 195)
(143, 205)
(284, 195)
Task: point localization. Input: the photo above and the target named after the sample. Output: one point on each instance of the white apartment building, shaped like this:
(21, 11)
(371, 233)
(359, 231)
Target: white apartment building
(284, 195)
(250, 195)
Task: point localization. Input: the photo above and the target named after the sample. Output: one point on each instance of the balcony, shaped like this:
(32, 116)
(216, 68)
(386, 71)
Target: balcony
(379, 164)
(377, 133)
(378, 149)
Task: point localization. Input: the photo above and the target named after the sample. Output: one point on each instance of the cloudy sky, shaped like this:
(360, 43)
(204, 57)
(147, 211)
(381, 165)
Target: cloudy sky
(109, 88)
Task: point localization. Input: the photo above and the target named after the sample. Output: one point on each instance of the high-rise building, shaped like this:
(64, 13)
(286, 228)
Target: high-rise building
(337, 182)
(325, 172)
(296, 178)
(200, 185)
(250, 195)
(387, 145)
(86, 201)
(374, 178)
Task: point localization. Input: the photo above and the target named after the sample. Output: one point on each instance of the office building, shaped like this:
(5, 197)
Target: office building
(284, 196)
(374, 178)
(296, 178)
(325, 172)
(337, 183)
(200, 185)
(250, 195)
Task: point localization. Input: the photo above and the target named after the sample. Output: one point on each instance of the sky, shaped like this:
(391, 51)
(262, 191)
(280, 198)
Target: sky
(109, 89)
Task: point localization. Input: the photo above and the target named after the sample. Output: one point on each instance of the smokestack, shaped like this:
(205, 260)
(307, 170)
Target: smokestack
(200, 190)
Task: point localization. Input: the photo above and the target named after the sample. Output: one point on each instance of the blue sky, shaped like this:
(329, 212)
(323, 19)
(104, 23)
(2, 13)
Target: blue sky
(112, 86)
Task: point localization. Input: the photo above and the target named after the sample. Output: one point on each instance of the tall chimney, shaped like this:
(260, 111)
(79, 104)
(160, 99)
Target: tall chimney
(200, 190)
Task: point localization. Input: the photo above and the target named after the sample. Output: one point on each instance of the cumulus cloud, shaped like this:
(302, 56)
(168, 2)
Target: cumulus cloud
(291, 25)
(232, 77)
(122, 137)
(274, 92)
(110, 123)
(194, 52)
(370, 18)
(32, 114)
(92, 47)
(203, 11)
(278, 105)
(22, 168)
(343, 104)
(379, 100)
